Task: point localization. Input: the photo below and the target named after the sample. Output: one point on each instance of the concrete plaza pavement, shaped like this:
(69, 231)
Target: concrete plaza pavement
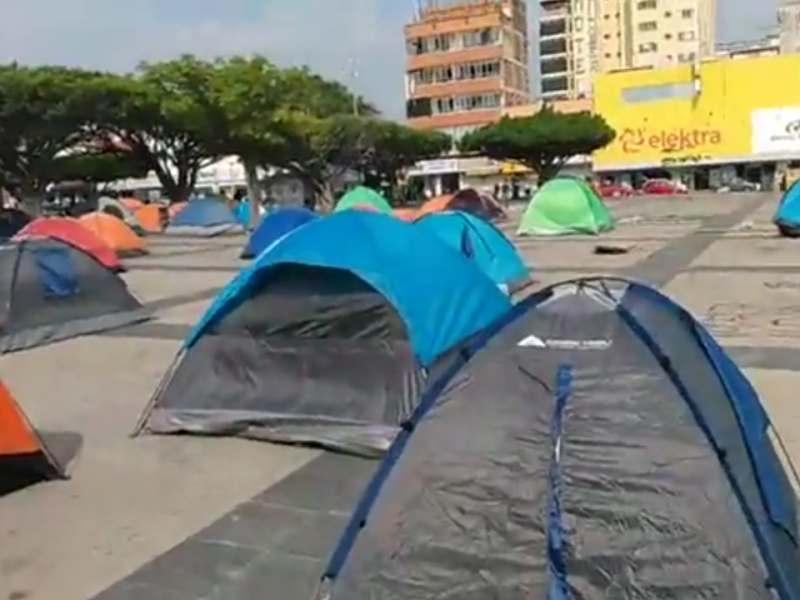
(190, 518)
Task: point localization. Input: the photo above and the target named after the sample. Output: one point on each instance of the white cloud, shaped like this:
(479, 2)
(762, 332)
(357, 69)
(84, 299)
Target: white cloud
(325, 35)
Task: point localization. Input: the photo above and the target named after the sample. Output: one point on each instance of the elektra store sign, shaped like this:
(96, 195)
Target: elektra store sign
(776, 131)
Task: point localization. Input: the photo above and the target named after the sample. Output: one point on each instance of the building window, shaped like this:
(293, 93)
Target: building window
(651, 93)
(646, 4)
(458, 72)
(687, 57)
(450, 104)
(648, 26)
(648, 48)
(481, 37)
(686, 36)
(415, 46)
(687, 13)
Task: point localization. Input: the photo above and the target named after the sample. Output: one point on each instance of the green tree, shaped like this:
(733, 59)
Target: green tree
(44, 112)
(93, 168)
(394, 147)
(543, 142)
(161, 116)
(290, 119)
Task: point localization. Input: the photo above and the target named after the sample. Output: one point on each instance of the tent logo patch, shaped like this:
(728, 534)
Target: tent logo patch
(532, 341)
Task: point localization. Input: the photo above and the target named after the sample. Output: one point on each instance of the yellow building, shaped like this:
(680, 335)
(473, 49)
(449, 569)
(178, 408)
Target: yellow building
(703, 121)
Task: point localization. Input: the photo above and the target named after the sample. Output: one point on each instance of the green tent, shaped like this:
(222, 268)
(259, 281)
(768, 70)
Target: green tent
(363, 196)
(565, 205)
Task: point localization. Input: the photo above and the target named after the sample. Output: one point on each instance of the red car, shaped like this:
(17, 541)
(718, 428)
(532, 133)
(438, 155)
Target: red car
(614, 190)
(663, 187)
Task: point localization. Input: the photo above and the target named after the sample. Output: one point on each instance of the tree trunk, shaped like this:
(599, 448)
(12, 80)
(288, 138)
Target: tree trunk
(324, 196)
(254, 192)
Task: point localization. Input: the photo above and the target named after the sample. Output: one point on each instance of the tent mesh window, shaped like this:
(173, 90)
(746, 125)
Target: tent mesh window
(45, 282)
(305, 345)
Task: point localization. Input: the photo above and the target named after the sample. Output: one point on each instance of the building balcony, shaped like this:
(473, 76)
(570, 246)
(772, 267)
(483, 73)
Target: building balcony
(462, 87)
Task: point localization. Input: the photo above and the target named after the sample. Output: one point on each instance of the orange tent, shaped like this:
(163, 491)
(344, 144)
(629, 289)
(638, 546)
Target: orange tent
(150, 217)
(466, 200)
(174, 209)
(115, 233)
(405, 214)
(132, 204)
(24, 459)
(434, 205)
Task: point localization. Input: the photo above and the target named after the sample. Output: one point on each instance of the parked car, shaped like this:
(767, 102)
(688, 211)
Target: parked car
(663, 187)
(614, 190)
(738, 185)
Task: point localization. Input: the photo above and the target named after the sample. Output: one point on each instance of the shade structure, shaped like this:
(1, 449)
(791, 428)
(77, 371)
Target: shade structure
(599, 444)
(328, 338)
(274, 226)
(467, 200)
(364, 196)
(24, 458)
(204, 217)
(480, 241)
(51, 291)
(115, 234)
(563, 206)
(71, 232)
(787, 216)
(151, 217)
(12, 220)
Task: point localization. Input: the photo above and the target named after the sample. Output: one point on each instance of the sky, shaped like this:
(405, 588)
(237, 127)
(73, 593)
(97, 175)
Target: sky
(357, 41)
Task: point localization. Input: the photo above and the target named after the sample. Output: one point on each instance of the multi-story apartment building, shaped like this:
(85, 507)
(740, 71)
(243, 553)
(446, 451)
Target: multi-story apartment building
(789, 26)
(766, 46)
(580, 38)
(466, 62)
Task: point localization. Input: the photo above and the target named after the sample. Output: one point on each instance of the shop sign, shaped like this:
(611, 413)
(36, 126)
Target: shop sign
(776, 130)
(637, 140)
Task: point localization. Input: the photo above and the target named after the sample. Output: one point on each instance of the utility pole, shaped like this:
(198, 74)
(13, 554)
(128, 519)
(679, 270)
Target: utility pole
(353, 77)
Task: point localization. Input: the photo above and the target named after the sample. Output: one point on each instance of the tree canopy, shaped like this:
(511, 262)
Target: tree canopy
(175, 117)
(543, 142)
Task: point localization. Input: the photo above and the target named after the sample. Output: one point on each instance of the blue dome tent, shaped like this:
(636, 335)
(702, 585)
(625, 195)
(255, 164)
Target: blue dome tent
(328, 338)
(598, 439)
(787, 217)
(273, 227)
(481, 242)
(204, 217)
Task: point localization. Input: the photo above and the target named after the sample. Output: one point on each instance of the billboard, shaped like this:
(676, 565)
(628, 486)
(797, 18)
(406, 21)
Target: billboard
(776, 131)
(722, 112)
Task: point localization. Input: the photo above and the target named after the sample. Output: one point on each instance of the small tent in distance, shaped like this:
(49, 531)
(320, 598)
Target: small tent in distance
(71, 232)
(612, 407)
(361, 196)
(115, 234)
(273, 227)
(120, 210)
(563, 206)
(204, 217)
(329, 338)
(24, 458)
(53, 291)
(480, 241)
(787, 217)
(467, 200)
